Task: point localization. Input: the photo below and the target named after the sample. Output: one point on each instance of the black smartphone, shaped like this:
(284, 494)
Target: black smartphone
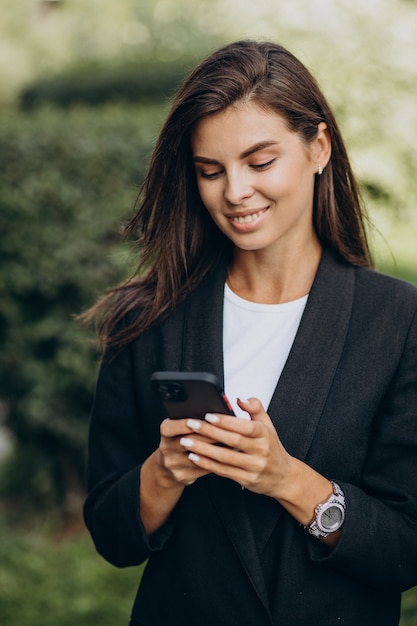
(190, 394)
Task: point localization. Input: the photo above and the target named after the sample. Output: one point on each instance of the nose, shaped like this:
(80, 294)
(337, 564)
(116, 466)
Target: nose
(238, 188)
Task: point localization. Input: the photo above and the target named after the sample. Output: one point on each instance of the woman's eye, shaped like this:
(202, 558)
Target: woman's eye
(262, 166)
(209, 175)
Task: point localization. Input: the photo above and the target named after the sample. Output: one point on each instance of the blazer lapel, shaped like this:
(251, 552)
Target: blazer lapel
(202, 348)
(305, 382)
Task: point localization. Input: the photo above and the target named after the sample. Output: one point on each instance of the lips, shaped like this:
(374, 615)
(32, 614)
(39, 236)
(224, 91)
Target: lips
(246, 219)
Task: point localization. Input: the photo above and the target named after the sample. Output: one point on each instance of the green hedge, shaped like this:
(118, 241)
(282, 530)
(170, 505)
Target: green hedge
(67, 180)
(97, 85)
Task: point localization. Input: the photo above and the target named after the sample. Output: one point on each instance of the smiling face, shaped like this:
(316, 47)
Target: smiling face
(256, 177)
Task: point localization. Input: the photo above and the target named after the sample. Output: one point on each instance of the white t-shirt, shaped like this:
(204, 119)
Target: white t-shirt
(257, 340)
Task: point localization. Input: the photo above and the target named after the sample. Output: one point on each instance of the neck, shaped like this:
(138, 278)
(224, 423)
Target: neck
(271, 280)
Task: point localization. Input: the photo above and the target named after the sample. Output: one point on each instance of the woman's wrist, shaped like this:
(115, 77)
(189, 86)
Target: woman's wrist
(302, 490)
(158, 493)
(159, 474)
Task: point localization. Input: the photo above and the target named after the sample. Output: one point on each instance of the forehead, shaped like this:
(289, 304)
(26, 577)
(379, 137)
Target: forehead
(237, 128)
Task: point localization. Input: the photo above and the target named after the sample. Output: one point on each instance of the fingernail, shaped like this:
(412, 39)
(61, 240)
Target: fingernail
(194, 424)
(210, 417)
(243, 400)
(194, 457)
(186, 442)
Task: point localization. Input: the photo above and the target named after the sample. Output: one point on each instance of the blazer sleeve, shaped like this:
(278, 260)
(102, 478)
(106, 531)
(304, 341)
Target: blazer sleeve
(119, 442)
(378, 544)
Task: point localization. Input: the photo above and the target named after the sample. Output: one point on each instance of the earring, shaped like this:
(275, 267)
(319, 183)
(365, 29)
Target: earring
(319, 170)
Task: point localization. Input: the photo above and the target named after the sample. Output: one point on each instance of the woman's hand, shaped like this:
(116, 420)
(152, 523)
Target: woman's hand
(165, 474)
(252, 454)
(172, 457)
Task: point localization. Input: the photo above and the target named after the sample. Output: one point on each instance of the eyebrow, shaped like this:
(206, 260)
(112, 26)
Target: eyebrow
(262, 145)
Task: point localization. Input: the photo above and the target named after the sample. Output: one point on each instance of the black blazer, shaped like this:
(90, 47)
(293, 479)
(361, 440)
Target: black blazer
(346, 404)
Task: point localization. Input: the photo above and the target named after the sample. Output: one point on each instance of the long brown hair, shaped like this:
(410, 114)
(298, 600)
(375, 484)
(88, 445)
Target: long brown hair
(177, 241)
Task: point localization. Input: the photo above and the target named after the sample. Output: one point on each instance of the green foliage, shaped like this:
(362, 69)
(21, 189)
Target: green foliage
(95, 85)
(409, 608)
(67, 180)
(45, 581)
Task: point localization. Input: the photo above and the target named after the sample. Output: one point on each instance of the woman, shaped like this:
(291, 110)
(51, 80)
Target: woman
(255, 267)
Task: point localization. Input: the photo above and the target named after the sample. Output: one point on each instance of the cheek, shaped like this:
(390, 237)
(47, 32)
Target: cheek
(213, 207)
(215, 216)
(291, 182)
(208, 196)
(274, 181)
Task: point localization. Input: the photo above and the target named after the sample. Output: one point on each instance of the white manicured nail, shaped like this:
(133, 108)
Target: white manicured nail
(194, 424)
(210, 417)
(194, 457)
(186, 442)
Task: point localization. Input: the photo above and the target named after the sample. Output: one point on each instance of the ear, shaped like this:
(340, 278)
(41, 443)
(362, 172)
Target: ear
(321, 147)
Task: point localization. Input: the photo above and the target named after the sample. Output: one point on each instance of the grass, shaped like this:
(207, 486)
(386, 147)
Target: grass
(49, 579)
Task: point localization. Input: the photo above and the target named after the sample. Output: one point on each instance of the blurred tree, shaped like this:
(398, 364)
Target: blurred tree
(66, 180)
(95, 85)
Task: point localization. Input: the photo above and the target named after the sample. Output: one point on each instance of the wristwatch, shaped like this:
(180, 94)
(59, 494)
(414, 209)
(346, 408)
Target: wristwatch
(330, 515)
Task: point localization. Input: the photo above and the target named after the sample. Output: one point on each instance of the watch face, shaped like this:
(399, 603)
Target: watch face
(332, 518)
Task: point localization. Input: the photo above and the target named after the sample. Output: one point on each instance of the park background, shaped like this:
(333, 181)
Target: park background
(84, 89)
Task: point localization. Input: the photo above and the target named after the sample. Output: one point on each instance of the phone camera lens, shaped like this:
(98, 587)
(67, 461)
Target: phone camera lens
(172, 391)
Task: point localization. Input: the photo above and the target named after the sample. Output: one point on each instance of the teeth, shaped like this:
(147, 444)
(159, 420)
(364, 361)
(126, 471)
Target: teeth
(247, 219)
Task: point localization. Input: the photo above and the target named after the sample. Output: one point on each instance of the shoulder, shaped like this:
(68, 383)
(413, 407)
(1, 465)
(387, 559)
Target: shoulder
(374, 284)
(386, 304)
(370, 294)
(366, 281)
